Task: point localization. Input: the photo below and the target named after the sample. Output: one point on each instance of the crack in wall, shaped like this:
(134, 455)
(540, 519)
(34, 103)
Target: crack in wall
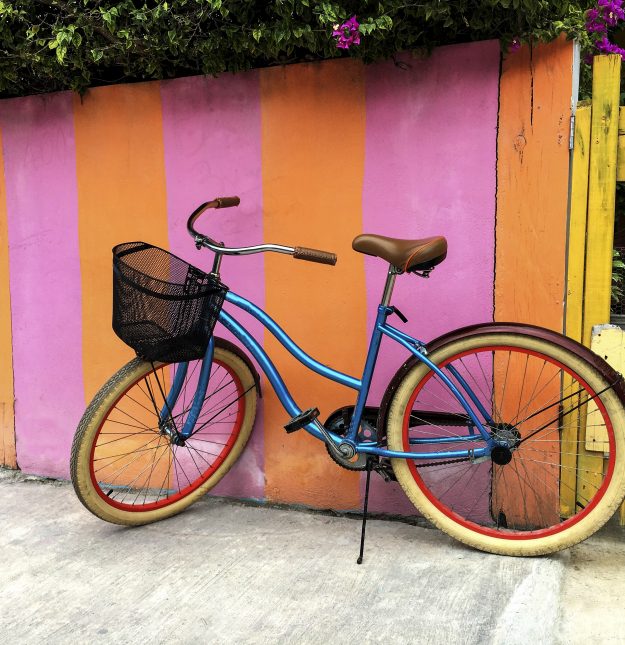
(496, 187)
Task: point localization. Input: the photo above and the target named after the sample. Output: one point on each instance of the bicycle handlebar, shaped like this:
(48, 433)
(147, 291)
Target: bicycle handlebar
(299, 253)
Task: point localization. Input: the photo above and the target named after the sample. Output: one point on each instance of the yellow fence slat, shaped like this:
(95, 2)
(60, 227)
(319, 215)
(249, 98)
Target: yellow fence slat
(620, 158)
(577, 223)
(600, 226)
(575, 298)
(601, 192)
(609, 342)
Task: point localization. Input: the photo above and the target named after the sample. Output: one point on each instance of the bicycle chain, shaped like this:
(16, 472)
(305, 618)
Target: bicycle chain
(349, 466)
(443, 463)
(432, 463)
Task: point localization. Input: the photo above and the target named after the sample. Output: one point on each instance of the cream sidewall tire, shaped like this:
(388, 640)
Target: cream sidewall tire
(526, 547)
(99, 408)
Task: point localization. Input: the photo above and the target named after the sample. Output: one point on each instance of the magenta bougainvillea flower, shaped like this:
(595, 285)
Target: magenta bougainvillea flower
(611, 11)
(347, 34)
(604, 16)
(515, 45)
(604, 46)
(593, 22)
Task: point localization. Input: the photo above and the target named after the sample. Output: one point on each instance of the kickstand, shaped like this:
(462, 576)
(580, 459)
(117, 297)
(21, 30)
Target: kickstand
(364, 513)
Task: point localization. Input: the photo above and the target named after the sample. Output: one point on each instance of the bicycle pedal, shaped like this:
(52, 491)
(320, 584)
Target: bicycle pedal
(301, 420)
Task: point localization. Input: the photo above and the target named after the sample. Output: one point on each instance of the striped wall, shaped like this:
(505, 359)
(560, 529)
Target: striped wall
(40, 176)
(7, 421)
(318, 153)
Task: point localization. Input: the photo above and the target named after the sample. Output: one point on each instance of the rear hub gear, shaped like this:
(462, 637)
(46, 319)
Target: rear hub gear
(507, 438)
(506, 435)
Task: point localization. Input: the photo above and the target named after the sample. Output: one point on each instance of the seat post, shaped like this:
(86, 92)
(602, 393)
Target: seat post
(390, 283)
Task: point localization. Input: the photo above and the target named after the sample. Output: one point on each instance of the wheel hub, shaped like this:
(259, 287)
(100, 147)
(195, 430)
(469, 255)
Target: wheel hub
(168, 430)
(507, 438)
(501, 455)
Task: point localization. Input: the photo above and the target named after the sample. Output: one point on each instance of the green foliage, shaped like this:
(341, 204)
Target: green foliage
(50, 45)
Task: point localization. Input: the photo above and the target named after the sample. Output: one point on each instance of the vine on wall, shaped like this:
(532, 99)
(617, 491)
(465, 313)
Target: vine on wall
(48, 45)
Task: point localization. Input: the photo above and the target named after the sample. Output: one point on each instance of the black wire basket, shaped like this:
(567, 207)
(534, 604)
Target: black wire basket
(163, 307)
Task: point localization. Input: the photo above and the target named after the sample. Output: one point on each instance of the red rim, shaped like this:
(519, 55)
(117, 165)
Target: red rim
(502, 533)
(195, 484)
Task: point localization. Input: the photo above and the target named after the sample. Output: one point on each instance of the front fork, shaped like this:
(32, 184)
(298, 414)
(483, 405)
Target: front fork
(167, 417)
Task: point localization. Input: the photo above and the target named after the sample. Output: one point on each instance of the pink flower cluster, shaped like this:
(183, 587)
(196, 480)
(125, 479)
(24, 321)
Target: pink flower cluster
(347, 34)
(606, 14)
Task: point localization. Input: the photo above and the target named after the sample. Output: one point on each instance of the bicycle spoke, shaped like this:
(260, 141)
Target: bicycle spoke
(135, 461)
(540, 483)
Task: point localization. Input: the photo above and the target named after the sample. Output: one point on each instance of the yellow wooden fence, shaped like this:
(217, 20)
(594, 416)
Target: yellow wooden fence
(598, 162)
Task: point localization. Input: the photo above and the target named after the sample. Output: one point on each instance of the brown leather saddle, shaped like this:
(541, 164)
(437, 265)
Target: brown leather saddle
(405, 255)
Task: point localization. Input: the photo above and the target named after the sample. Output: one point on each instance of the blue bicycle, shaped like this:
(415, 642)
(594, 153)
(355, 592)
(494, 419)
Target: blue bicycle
(509, 437)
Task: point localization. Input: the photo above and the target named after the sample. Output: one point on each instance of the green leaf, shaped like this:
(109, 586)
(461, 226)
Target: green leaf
(164, 38)
(61, 50)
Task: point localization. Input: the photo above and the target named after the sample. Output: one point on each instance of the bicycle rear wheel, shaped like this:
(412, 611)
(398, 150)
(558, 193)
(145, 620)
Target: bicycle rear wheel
(128, 467)
(562, 474)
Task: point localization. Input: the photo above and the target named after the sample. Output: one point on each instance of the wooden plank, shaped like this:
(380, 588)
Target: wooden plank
(533, 184)
(533, 160)
(620, 157)
(600, 226)
(575, 298)
(577, 223)
(601, 192)
(608, 341)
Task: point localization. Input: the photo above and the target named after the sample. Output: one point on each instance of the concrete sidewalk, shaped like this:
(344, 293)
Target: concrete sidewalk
(230, 573)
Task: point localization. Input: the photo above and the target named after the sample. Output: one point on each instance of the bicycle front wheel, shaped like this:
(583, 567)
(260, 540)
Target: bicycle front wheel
(128, 467)
(559, 474)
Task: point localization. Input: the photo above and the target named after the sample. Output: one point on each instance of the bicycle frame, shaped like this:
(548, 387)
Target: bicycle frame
(462, 392)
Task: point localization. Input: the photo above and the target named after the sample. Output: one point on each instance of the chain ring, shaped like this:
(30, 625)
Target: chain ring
(360, 463)
(339, 428)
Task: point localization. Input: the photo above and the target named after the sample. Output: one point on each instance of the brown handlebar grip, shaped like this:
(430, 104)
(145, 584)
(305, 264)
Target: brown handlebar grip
(313, 255)
(227, 202)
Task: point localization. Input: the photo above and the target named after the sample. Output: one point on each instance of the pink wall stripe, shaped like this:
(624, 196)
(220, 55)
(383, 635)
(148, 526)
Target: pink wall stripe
(430, 170)
(38, 143)
(218, 155)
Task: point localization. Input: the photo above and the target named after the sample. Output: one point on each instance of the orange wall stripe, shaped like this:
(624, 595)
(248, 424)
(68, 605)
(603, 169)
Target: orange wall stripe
(121, 197)
(313, 138)
(532, 203)
(532, 184)
(7, 411)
